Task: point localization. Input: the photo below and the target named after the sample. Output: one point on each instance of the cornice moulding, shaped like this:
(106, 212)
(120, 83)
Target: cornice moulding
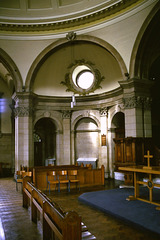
(77, 22)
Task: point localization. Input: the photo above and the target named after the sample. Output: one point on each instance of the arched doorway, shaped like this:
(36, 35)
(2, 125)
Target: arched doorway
(118, 133)
(44, 142)
(118, 123)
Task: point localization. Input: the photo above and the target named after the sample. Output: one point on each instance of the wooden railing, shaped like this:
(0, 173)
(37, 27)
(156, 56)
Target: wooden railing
(56, 224)
(87, 176)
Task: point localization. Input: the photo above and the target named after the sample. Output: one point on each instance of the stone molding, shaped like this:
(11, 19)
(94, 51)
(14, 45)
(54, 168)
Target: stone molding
(61, 24)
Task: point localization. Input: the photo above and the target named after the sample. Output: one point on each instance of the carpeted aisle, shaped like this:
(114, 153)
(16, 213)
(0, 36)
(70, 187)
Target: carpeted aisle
(136, 212)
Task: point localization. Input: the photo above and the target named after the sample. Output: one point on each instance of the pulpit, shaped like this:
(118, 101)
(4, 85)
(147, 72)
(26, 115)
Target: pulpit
(130, 151)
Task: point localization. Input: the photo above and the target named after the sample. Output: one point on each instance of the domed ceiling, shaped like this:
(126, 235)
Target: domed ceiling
(38, 18)
(57, 16)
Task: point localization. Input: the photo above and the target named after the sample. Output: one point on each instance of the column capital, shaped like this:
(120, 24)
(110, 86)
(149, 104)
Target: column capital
(66, 114)
(23, 106)
(23, 111)
(137, 102)
(103, 112)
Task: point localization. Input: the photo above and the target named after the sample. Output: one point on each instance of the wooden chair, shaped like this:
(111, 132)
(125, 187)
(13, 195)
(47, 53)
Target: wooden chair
(19, 179)
(52, 180)
(63, 179)
(72, 175)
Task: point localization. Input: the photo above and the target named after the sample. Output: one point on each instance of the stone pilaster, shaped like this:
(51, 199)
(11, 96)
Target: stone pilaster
(104, 139)
(66, 116)
(137, 116)
(24, 144)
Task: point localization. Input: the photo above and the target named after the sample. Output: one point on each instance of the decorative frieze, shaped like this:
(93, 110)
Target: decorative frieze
(81, 19)
(137, 102)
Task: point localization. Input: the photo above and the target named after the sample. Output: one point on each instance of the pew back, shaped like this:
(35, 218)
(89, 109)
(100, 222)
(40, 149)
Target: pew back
(65, 226)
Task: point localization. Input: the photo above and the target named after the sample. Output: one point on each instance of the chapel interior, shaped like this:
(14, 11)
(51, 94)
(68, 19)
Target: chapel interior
(79, 85)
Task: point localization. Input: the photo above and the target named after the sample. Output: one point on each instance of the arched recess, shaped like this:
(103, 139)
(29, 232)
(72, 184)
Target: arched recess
(118, 124)
(117, 132)
(147, 45)
(53, 47)
(45, 142)
(86, 138)
(9, 64)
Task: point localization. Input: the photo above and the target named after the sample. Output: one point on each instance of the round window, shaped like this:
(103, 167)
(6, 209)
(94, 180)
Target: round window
(83, 77)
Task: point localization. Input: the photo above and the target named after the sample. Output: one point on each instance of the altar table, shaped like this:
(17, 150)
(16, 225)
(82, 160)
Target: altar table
(137, 170)
(92, 161)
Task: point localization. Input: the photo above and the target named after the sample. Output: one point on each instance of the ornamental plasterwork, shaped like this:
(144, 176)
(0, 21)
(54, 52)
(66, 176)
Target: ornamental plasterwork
(78, 21)
(137, 102)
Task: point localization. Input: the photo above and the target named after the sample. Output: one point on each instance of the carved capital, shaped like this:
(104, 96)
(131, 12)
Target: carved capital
(23, 112)
(66, 114)
(104, 112)
(137, 102)
(147, 103)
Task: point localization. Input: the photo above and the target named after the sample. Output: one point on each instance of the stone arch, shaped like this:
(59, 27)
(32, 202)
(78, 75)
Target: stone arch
(38, 61)
(55, 121)
(141, 42)
(13, 70)
(84, 116)
(47, 150)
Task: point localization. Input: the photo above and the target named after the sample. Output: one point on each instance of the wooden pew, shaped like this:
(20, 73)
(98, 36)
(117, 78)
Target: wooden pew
(56, 223)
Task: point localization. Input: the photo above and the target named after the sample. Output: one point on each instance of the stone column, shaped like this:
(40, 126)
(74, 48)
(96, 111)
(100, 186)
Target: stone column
(137, 116)
(136, 99)
(66, 115)
(1, 106)
(104, 140)
(23, 130)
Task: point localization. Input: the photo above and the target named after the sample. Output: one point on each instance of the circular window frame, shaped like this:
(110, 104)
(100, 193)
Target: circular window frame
(79, 76)
(71, 79)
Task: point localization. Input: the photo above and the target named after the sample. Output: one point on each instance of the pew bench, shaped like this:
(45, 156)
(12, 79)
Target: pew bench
(56, 224)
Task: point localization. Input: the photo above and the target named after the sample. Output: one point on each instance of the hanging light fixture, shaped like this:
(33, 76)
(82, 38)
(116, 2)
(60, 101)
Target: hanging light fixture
(71, 36)
(73, 102)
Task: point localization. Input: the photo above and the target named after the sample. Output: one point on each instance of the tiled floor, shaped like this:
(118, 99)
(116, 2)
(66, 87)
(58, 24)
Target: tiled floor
(15, 223)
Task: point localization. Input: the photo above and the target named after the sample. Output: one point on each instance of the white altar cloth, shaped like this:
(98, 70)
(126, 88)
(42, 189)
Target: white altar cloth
(92, 161)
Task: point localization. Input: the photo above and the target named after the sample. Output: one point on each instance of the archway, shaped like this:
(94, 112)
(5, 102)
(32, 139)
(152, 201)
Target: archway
(44, 142)
(118, 123)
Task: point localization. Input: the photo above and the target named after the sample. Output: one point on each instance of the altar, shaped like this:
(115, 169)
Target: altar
(146, 170)
(50, 161)
(92, 161)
